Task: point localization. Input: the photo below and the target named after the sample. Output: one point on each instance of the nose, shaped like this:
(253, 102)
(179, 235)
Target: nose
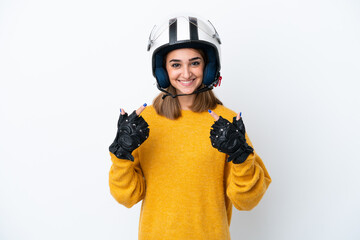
(186, 72)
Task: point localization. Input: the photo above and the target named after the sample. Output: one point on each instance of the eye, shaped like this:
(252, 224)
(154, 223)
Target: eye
(175, 65)
(196, 63)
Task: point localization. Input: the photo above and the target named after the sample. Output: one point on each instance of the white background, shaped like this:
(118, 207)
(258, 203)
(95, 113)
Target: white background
(66, 67)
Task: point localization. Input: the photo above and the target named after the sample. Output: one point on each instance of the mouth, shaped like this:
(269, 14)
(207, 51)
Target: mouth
(186, 82)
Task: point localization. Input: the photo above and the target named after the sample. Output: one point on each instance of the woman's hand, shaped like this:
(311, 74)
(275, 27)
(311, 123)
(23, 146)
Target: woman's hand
(216, 117)
(230, 138)
(131, 133)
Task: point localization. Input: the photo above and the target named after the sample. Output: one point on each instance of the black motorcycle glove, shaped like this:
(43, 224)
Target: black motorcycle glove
(230, 138)
(132, 132)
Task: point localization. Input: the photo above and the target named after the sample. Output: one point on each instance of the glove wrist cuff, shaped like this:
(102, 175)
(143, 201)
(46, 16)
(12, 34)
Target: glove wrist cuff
(240, 155)
(121, 153)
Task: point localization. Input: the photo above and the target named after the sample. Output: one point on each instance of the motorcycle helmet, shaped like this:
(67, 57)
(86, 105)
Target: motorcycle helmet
(185, 32)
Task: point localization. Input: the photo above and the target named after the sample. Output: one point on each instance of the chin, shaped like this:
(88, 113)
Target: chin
(186, 91)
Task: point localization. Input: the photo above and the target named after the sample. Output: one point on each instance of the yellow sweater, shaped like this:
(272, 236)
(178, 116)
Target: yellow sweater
(186, 185)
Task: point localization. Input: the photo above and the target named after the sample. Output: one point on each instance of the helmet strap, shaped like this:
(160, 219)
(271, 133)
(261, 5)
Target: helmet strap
(204, 89)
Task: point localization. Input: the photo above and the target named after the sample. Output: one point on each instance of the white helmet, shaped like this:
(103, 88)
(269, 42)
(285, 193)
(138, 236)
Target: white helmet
(185, 32)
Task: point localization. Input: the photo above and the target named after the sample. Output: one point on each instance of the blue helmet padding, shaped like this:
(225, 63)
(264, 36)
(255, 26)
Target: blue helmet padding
(160, 72)
(210, 71)
(162, 77)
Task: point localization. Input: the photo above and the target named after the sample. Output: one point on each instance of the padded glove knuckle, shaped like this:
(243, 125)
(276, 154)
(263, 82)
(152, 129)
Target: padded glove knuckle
(132, 132)
(230, 138)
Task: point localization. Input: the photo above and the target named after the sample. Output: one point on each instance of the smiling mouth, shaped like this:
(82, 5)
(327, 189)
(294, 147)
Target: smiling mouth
(186, 82)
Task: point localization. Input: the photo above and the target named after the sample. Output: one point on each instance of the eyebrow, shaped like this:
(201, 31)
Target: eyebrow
(191, 59)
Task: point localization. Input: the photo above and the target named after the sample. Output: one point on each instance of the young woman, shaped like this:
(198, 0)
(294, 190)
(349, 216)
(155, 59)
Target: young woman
(188, 169)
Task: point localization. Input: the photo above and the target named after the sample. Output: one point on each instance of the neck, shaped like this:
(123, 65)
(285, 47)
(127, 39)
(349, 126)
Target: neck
(186, 101)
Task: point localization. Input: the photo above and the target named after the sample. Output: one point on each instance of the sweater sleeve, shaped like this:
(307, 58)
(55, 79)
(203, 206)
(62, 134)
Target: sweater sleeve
(126, 180)
(247, 182)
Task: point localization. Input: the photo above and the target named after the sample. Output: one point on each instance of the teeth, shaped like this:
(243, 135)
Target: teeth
(186, 81)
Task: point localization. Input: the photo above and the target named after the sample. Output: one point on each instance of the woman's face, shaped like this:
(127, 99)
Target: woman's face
(185, 68)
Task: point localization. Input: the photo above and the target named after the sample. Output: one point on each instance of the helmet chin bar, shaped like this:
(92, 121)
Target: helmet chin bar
(203, 89)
